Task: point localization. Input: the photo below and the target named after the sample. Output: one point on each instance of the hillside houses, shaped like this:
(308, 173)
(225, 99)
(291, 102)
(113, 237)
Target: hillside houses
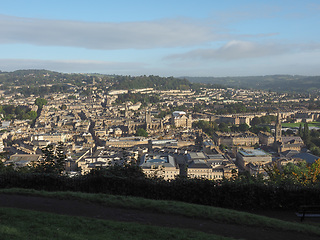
(96, 128)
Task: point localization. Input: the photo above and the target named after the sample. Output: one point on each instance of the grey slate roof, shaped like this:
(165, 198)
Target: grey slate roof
(308, 157)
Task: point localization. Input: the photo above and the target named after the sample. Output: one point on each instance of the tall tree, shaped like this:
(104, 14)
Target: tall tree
(53, 160)
(300, 131)
(306, 134)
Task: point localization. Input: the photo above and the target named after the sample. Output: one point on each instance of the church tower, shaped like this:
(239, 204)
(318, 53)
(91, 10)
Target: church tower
(126, 111)
(148, 120)
(278, 129)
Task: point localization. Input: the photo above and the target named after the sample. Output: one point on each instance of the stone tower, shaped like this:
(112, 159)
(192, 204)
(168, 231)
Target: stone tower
(126, 111)
(148, 120)
(278, 129)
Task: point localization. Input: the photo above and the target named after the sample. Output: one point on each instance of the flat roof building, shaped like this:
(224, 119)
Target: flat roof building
(252, 160)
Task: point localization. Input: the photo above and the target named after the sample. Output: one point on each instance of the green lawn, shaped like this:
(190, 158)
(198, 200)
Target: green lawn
(310, 124)
(177, 208)
(17, 224)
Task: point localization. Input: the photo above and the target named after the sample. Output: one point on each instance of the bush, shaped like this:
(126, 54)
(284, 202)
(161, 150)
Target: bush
(236, 194)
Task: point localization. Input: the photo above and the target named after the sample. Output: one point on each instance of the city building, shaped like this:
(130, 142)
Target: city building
(180, 120)
(162, 165)
(235, 139)
(253, 160)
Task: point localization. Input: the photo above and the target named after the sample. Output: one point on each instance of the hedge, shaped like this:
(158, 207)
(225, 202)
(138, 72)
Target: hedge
(235, 195)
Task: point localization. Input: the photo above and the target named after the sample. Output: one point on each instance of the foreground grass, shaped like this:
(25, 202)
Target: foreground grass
(25, 224)
(177, 208)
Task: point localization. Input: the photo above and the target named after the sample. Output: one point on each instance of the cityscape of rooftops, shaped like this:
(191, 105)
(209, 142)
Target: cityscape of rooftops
(201, 102)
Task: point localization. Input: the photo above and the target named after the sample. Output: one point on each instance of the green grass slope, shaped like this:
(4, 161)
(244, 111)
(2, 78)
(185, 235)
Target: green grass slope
(17, 224)
(177, 208)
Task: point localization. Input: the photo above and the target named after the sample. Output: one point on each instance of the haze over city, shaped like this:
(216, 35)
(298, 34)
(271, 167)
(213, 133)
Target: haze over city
(166, 38)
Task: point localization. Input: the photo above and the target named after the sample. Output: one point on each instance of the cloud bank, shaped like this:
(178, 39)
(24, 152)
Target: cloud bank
(235, 50)
(104, 35)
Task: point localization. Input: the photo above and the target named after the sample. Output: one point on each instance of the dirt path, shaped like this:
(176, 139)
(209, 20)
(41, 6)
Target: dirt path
(78, 208)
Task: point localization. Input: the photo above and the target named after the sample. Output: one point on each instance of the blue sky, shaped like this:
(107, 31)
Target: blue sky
(165, 38)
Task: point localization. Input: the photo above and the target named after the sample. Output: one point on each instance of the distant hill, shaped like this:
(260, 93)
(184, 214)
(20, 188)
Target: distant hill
(156, 82)
(279, 83)
(36, 78)
(159, 83)
(33, 77)
(41, 82)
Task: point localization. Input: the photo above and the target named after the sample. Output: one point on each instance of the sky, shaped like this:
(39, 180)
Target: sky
(165, 38)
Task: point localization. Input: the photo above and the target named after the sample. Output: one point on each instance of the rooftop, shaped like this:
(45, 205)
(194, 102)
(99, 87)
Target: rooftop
(252, 152)
(158, 160)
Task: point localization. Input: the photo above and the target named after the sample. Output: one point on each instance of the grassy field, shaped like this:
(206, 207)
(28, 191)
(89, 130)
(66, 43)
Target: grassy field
(17, 224)
(310, 124)
(177, 208)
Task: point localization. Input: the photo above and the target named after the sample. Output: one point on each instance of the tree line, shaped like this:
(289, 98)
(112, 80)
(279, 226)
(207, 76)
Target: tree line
(244, 192)
(156, 82)
(311, 138)
(11, 112)
(209, 127)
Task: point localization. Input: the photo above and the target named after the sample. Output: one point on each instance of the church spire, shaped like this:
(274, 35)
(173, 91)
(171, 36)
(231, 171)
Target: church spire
(147, 119)
(278, 129)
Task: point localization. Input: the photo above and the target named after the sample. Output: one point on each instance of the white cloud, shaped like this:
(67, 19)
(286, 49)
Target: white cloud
(305, 60)
(104, 35)
(235, 50)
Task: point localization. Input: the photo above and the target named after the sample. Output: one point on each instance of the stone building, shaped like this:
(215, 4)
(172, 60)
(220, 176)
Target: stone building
(253, 160)
(212, 167)
(265, 138)
(152, 125)
(289, 143)
(180, 120)
(282, 144)
(169, 164)
(53, 138)
(235, 139)
(160, 165)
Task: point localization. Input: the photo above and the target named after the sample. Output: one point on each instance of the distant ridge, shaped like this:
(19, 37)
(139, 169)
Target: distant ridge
(280, 83)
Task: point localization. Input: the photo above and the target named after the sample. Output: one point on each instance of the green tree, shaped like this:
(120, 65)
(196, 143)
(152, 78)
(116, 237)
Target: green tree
(243, 127)
(266, 129)
(300, 173)
(306, 134)
(255, 121)
(8, 168)
(53, 160)
(72, 97)
(289, 132)
(315, 150)
(141, 132)
(40, 102)
(207, 127)
(126, 170)
(223, 127)
(32, 115)
(162, 114)
(234, 128)
(300, 131)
